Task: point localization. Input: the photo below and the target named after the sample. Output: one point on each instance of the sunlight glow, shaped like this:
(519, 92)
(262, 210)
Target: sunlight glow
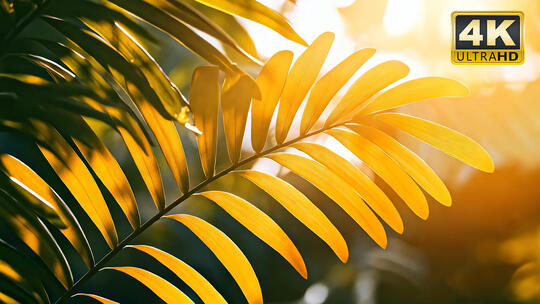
(401, 16)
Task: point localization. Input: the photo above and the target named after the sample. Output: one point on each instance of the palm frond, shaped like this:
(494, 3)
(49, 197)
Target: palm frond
(132, 93)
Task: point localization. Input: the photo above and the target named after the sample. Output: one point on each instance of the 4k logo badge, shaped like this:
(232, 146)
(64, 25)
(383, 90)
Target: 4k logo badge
(487, 38)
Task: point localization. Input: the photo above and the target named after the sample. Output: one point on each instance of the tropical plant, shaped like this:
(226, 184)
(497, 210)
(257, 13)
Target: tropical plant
(99, 69)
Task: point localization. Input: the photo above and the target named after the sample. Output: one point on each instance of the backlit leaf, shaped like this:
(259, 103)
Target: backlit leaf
(339, 191)
(238, 89)
(73, 232)
(109, 172)
(163, 289)
(20, 268)
(254, 10)
(110, 59)
(33, 232)
(171, 98)
(445, 139)
(204, 100)
(178, 30)
(259, 224)
(30, 200)
(205, 290)
(301, 207)
(227, 253)
(270, 80)
(366, 86)
(133, 135)
(302, 75)
(409, 161)
(97, 298)
(167, 137)
(374, 197)
(416, 90)
(386, 168)
(145, 161)
(196, 18)
(73, 172)
(326, 87)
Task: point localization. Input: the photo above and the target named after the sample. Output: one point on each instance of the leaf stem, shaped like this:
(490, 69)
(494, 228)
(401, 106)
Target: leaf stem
(99, 265)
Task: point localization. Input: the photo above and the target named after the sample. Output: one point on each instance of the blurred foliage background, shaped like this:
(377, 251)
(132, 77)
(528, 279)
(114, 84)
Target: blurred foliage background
(484, 249)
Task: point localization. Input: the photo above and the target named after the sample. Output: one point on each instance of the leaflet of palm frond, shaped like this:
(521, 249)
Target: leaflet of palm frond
(108, 57)
(91, 73)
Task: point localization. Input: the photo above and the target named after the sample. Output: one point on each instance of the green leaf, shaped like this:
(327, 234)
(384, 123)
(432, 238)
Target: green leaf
(169, 95)
(110, 59)
(19, 268)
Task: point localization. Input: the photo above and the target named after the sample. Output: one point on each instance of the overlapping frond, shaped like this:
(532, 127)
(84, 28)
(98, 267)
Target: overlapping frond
(123, 72)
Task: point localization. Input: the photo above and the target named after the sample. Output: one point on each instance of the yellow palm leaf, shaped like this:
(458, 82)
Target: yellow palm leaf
(190, 276)
(366, 86)
(227, 253)
(145, 161)
(259, 224)
(73, 232)
(163, 289)
(204, 101)
(235, 100)
(167, 137)
(374, 197)
(347, 198)
(302, 75)
(386, 168)
(271, 80)
(447, 140)
(73, 172)
(97, 298)
(301, 207)
(409, 161)
(326, 87)
(110, 173)
(415, 90)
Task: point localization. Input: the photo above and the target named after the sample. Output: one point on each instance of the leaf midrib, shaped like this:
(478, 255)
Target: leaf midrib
(99, 265)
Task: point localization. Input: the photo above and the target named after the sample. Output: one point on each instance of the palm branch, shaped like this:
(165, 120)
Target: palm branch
(103, 72)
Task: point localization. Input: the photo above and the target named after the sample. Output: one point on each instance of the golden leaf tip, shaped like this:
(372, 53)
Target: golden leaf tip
(343, 256)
